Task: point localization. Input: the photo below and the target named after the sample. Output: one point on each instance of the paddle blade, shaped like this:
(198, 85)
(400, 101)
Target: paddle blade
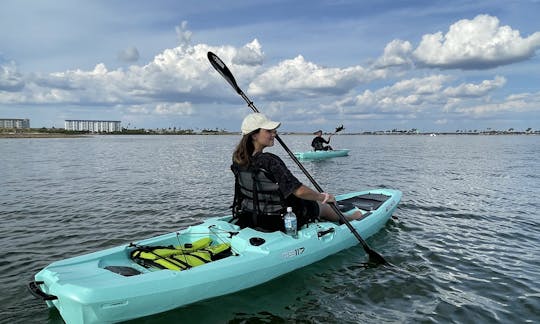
(377, 259)
(339, 129)
(218, 64)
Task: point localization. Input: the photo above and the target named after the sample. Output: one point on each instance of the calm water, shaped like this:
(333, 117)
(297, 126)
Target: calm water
(465, 241)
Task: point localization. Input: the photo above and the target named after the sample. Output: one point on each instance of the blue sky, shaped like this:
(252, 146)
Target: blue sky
(370, 65)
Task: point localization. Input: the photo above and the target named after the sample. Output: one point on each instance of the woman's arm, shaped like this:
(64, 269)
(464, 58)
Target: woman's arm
(327, 141)
(307, 193)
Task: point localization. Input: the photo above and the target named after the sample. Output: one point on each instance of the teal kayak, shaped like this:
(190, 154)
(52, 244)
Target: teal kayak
(320, 155)
(113, 285)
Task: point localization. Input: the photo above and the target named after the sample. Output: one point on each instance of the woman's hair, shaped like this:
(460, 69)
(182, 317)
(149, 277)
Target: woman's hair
(244, 149)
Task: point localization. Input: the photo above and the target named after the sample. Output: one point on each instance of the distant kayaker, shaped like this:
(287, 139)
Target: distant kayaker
(318, 142)
(276, 185)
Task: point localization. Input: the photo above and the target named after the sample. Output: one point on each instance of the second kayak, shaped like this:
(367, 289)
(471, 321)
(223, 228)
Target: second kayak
(320, 155)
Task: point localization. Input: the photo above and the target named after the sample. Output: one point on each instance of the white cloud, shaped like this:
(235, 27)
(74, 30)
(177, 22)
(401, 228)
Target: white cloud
(406, 93)
(475, 44)
(250, 54)
(176, 108)
(178, 75)
(428, 94)
(396, 53)
(513, 104)
(475, 90)
(177, 80)
(432, 98)
(298, 77)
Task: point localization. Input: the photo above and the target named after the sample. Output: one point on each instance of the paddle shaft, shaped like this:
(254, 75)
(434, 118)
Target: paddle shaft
(218, 64)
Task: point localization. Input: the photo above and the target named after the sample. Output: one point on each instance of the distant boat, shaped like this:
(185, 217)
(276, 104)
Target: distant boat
(432, 134)
(320, 155)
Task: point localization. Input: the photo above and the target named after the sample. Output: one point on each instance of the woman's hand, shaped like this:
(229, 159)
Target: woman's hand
(310, 194)
(328, 198)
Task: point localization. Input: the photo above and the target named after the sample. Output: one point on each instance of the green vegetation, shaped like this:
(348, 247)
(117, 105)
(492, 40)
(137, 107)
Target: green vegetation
(41, 130)
(170, 131)
(488, 131)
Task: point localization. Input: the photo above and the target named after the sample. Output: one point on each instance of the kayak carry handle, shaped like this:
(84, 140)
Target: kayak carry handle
(37, 292)
(323, 233)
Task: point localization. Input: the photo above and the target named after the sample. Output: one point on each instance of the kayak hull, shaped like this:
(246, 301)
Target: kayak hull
(85, 291)
(321, 155)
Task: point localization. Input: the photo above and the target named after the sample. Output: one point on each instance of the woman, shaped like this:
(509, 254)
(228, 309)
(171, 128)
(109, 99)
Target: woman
(259, 133)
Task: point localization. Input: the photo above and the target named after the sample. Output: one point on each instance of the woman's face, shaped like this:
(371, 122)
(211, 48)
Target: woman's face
(264, 138)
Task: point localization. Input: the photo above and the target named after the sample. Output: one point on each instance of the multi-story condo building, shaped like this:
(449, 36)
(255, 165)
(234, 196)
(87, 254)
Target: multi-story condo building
(94, 126)
(15, 123)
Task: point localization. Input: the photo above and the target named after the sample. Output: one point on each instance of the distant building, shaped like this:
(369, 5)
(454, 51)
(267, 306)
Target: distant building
(15, 123)
(94, 126)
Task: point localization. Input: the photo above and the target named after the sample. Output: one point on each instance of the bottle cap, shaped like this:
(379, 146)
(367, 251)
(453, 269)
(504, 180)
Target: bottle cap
(289, 209)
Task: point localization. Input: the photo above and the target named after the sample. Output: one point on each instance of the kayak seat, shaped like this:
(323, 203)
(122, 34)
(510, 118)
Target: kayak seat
(366, 202)
(345, 206)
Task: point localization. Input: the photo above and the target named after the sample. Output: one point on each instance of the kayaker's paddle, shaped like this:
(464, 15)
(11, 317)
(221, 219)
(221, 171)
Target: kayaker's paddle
(218, 64)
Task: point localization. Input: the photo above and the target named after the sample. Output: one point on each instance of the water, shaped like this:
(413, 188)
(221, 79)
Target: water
(464, 244)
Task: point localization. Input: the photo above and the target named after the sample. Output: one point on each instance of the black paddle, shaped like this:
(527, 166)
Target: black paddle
(218, 64)
(338, 129)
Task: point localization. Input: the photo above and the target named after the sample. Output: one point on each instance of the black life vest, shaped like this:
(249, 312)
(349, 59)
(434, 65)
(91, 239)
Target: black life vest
(258, 202)
(317, 143)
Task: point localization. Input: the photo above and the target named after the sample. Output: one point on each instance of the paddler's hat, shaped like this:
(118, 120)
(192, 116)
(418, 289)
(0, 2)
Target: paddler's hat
(255, 121)
(317, 132)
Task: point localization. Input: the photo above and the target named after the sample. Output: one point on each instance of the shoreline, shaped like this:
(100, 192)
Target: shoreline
(63, 135)
(40, 135)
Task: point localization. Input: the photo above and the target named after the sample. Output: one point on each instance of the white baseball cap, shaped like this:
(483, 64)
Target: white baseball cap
(255, 121)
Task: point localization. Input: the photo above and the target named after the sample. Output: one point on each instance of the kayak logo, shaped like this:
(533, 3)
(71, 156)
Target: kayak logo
(293, 253)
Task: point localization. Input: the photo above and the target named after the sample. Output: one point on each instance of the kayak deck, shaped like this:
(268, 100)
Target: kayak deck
(109, 286)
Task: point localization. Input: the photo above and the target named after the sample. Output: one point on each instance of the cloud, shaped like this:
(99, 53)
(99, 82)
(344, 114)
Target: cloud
(475, 90)
(396, 53)
(10, 79)
(250, 54)
(130, 54)
(183, 34)
(169, 84)
(298, 77)
(177, 108)
(479, 43)
(526, 102)
(179, 80)
(405, 94)
(429, 94)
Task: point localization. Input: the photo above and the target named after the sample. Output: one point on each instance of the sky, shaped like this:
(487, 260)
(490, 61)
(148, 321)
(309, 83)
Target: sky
(370, 65)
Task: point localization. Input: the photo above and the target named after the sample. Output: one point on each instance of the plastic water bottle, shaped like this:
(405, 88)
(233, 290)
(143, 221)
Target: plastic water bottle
(290, 223)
